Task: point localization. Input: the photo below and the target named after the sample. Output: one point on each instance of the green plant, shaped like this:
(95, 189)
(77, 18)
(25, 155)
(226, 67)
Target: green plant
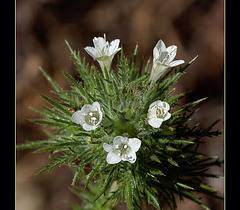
(161, 164)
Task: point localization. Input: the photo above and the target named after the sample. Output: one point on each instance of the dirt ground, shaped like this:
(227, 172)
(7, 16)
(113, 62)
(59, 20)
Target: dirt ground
(195, 26)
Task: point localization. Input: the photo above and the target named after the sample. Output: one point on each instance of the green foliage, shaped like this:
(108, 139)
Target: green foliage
(168, 163)
(108, 201)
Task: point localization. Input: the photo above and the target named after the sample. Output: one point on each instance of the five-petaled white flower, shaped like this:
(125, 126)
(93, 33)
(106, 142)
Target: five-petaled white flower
(157, 113)
(89, 117)
(123, 148)
(103, 52)
(163, 59)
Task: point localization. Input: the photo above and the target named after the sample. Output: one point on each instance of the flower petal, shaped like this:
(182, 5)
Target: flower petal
(88, 127)
(176, 63)
(158, 49)
(155, 103)
(164, 104)
(78, 117)
(160, 46)
(86, 108)
(167, 116)
(99, 42)
(96, 105)
(152, 113)
(113, 158)
(131, 157)
(155, 53)
(119, 139)
(114, 47)
(155, 122)
(163, 57)
(107, 147)
(172, 49)
(134, 143)
(92, 52)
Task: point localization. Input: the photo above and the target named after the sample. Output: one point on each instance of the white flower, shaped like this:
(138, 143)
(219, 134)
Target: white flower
(157, 113)
(123, 148)
(89, 117)
(103, 52)
(163, 59)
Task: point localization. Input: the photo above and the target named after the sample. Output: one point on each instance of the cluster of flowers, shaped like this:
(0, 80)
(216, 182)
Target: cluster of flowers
(90, 116)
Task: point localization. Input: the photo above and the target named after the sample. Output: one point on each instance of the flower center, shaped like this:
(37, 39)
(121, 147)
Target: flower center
(160, 112)
(92, 118)
(165, 59)
(122, 150)
(105, 49)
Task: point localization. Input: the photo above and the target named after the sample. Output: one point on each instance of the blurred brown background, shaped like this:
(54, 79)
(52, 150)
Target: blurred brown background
(195, 26)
